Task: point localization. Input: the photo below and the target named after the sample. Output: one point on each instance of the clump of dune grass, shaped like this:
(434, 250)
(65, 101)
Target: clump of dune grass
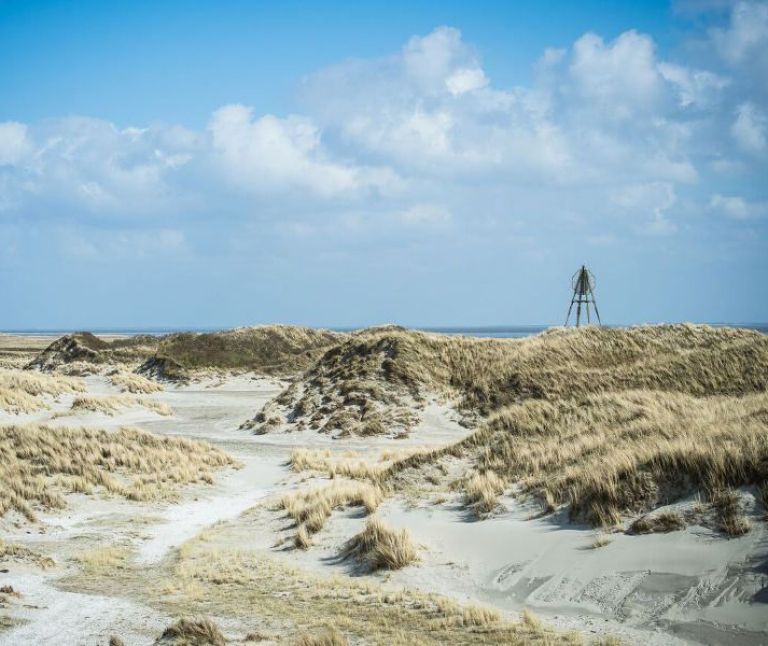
(312, 507)
(328, 636)
(39, 464)
(103, 560)
(379, 547)
(348, 464)
(21, 553)
(111, 404)
(132, 383)
(663, 522)
(530, 619)
(303, 539)
(196, 631)
(17, 401)
(455, 614)
(730, 515)
(23, 391)
(600, 540)
(481, 492)
(36, 383)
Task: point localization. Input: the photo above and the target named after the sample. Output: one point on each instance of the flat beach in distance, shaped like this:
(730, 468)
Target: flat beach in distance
(576, 486)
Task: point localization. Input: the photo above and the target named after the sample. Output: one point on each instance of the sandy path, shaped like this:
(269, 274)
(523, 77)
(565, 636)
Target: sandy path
(184, 521)
(58, 617)
(201, 411)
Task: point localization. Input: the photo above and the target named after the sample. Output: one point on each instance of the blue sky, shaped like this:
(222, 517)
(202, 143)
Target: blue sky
(433, 163)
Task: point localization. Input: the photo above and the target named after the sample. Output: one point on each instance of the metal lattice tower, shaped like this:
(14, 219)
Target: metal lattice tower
(583, 283)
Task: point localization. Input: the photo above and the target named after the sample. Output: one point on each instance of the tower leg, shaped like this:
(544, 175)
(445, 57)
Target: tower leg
(578, 313)
(597, 313)
(569, 312)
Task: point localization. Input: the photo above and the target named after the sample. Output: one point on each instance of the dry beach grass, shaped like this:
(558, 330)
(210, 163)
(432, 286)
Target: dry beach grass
(311, 507)
(110, 404)
(132, 383)
(23, 391)
(39, 464)
(379, 547)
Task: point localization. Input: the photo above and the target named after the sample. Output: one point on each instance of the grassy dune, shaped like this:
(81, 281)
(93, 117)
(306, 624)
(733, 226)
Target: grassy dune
(268, 349)
(86, 349)
(38, 464)
(369, 383)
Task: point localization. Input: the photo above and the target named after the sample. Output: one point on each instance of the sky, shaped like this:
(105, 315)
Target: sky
(341, 164)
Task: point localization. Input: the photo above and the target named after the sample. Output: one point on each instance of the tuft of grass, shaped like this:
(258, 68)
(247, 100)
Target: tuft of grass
(14, 552)
(667, 521)
(730, 515)
(378, 547)
(132, 383)
(481, 492)
(199, 631)
(328, 636)
(349, 464)
(312, 507)
(303, 539)
(530, 619)
(600, 540)
(103, 560)
(110, 404)
(38, 464)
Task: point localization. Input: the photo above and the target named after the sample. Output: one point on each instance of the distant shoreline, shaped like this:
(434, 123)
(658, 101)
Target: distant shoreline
(490, 331)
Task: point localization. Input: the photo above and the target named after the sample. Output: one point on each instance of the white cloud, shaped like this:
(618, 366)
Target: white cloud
(695, 87)
(272, 154)
(621, 76)
(466, 80)
(14, 145)
(746, 37)
(750, 128)
(736, 207)
(433, 59)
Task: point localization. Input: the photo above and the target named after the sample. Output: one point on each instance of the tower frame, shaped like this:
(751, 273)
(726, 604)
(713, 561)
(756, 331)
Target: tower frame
(583, 283)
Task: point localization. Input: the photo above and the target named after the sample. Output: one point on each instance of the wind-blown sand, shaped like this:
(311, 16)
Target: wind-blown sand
(688, 586)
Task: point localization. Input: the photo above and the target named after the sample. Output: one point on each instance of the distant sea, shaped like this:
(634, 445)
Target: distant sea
(496, 331)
